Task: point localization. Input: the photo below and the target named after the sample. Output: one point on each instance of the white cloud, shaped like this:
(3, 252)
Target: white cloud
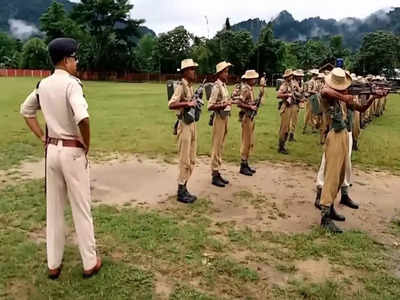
(21, 30)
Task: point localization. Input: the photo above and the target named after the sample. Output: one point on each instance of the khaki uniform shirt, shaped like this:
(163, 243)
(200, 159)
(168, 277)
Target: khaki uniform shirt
(183, 93)
(312, 86)
(263, 82)
(286, 88)
(246, 94)
(219, 94)
(62, 103)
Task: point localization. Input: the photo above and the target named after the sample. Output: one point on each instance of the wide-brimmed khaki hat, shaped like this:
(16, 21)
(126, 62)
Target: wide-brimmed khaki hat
(338, 79)
(222, 66)
(288, 73)
(188, 63)
(250, 74)
(313, 72)
(298, 73)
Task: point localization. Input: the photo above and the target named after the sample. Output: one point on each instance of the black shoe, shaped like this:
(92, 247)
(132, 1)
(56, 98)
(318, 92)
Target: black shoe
(216, 180)
(53, 274)
(245, 170)
(223, 179)
(346, 200)
(291, 137)
(184, 196)
(318, 198)
(335, 216)
(251, 169)
(355, 145)
(283, 151)
(329, 225)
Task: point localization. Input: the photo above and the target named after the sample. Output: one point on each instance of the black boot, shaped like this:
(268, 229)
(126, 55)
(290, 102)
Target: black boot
(291, 137)
(223, 179)
(194, 198)
(346, 200)
(251, 169)
(335, 216)
(183, 195)
(326, 221)
(244, 169)
(281, 148)
(355, 145)
(318, 198)
(216, 180)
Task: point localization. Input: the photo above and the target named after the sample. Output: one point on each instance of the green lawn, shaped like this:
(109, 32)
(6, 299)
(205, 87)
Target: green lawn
(133, 118)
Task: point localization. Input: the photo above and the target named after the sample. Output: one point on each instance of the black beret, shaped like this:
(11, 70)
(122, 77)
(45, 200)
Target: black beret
(62, 47)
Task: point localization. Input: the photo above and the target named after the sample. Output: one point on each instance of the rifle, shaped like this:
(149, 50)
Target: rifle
(192, 114)
(253, 113)
(359, 88)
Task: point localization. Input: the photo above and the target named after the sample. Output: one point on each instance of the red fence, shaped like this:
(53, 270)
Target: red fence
(23, 73)
(110, 76)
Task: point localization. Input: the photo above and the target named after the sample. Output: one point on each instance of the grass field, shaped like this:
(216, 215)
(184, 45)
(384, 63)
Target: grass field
(180, 253)
(133, 118)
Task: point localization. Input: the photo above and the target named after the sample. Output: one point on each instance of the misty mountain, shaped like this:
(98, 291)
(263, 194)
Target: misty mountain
(20, 18)
(286, 28)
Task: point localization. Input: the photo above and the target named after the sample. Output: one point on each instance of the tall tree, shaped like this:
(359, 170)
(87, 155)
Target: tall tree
(269, 53)
(111, 30)
(34, 55)
(55, 23)
(145, 53)
(379, 53)
(10, 51)
(172, 47)
(235, 47)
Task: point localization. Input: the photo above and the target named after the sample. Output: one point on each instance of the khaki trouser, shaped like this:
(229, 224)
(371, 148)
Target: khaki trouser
(308, 115)
(324, 127)
(286, 115)
(68, 174)
(373, 108)
(381, 105)
(384, 103)
(356, 126)
(348, 174)
(337, 158)
(247, 145)
(187, 146)
(294, 116)
(219, 132)
(310, 118)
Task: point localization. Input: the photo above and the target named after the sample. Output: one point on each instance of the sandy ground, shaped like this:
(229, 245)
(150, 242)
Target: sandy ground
(287, 193)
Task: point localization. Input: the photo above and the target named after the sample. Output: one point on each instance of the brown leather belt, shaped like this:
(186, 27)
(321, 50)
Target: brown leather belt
(65, 143)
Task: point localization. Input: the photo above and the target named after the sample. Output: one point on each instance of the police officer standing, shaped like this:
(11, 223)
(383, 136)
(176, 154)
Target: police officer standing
(60, 98)
(286, 110)
(220, 103)
(247, 105)
(181, 101)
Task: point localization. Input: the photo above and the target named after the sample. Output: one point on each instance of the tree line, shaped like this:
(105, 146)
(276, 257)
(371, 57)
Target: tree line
(111, 40)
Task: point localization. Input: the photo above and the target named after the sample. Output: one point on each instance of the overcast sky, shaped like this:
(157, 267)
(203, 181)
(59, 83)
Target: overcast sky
(164, 15)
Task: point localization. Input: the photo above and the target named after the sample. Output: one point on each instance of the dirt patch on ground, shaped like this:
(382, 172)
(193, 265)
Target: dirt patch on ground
(279, 197)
